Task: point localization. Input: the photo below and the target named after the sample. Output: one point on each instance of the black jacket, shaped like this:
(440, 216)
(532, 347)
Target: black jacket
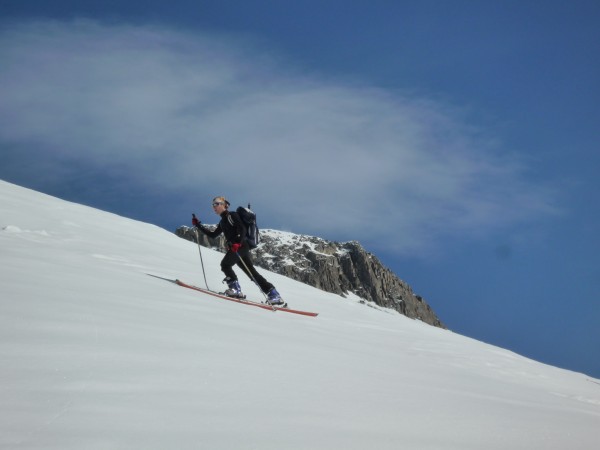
(231, 226)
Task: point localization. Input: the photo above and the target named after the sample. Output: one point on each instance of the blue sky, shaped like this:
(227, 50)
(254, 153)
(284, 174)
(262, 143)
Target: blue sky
(458, 141)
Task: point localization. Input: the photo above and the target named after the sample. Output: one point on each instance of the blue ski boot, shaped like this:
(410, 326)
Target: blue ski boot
(234, 290)
(273, 298)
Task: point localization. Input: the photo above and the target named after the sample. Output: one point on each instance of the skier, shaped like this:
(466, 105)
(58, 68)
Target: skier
(238, 252)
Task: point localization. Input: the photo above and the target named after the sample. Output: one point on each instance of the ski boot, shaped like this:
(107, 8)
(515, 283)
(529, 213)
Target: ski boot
(274, 299)
(234, 291)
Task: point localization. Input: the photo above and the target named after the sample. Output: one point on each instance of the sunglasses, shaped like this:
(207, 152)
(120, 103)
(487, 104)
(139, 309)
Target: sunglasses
(215, 204)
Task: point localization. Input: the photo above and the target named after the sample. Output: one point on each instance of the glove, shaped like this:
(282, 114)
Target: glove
(235, 247)
(195, 221)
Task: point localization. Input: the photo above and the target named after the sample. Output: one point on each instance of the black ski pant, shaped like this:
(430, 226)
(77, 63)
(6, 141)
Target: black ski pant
(232, 259)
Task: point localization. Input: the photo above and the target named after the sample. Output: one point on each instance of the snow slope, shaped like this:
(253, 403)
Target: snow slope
(96, 354)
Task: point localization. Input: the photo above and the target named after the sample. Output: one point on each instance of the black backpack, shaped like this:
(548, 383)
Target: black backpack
(249, 218)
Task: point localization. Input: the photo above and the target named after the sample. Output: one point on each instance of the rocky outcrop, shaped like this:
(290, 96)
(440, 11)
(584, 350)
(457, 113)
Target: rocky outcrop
(340, 268)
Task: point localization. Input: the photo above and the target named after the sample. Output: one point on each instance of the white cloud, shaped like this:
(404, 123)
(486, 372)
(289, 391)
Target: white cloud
(210, 114)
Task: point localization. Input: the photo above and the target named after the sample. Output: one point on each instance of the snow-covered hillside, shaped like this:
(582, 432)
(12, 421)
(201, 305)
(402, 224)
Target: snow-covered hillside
(97, 354)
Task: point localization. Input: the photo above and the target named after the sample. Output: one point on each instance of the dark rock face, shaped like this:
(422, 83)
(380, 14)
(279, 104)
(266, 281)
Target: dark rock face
(335, 267)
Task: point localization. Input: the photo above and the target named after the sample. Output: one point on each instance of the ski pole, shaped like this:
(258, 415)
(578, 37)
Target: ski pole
(252, 277)
(200, 251)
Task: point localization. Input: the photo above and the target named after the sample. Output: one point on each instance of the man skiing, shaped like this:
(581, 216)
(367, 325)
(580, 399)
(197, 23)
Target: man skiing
(238, 252)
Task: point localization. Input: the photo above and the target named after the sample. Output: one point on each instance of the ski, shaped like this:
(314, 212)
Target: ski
(243, 297)
(246, 302)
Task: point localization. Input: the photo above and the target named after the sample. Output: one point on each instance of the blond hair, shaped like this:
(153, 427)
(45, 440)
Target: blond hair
(223, 200)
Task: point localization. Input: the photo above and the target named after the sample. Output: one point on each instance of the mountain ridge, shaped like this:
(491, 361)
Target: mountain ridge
(337, 267)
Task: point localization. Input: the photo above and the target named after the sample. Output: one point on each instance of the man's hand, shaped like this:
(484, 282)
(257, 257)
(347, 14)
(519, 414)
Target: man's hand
(195, 221)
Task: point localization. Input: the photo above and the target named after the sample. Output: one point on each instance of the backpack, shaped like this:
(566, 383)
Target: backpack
(249, 218)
